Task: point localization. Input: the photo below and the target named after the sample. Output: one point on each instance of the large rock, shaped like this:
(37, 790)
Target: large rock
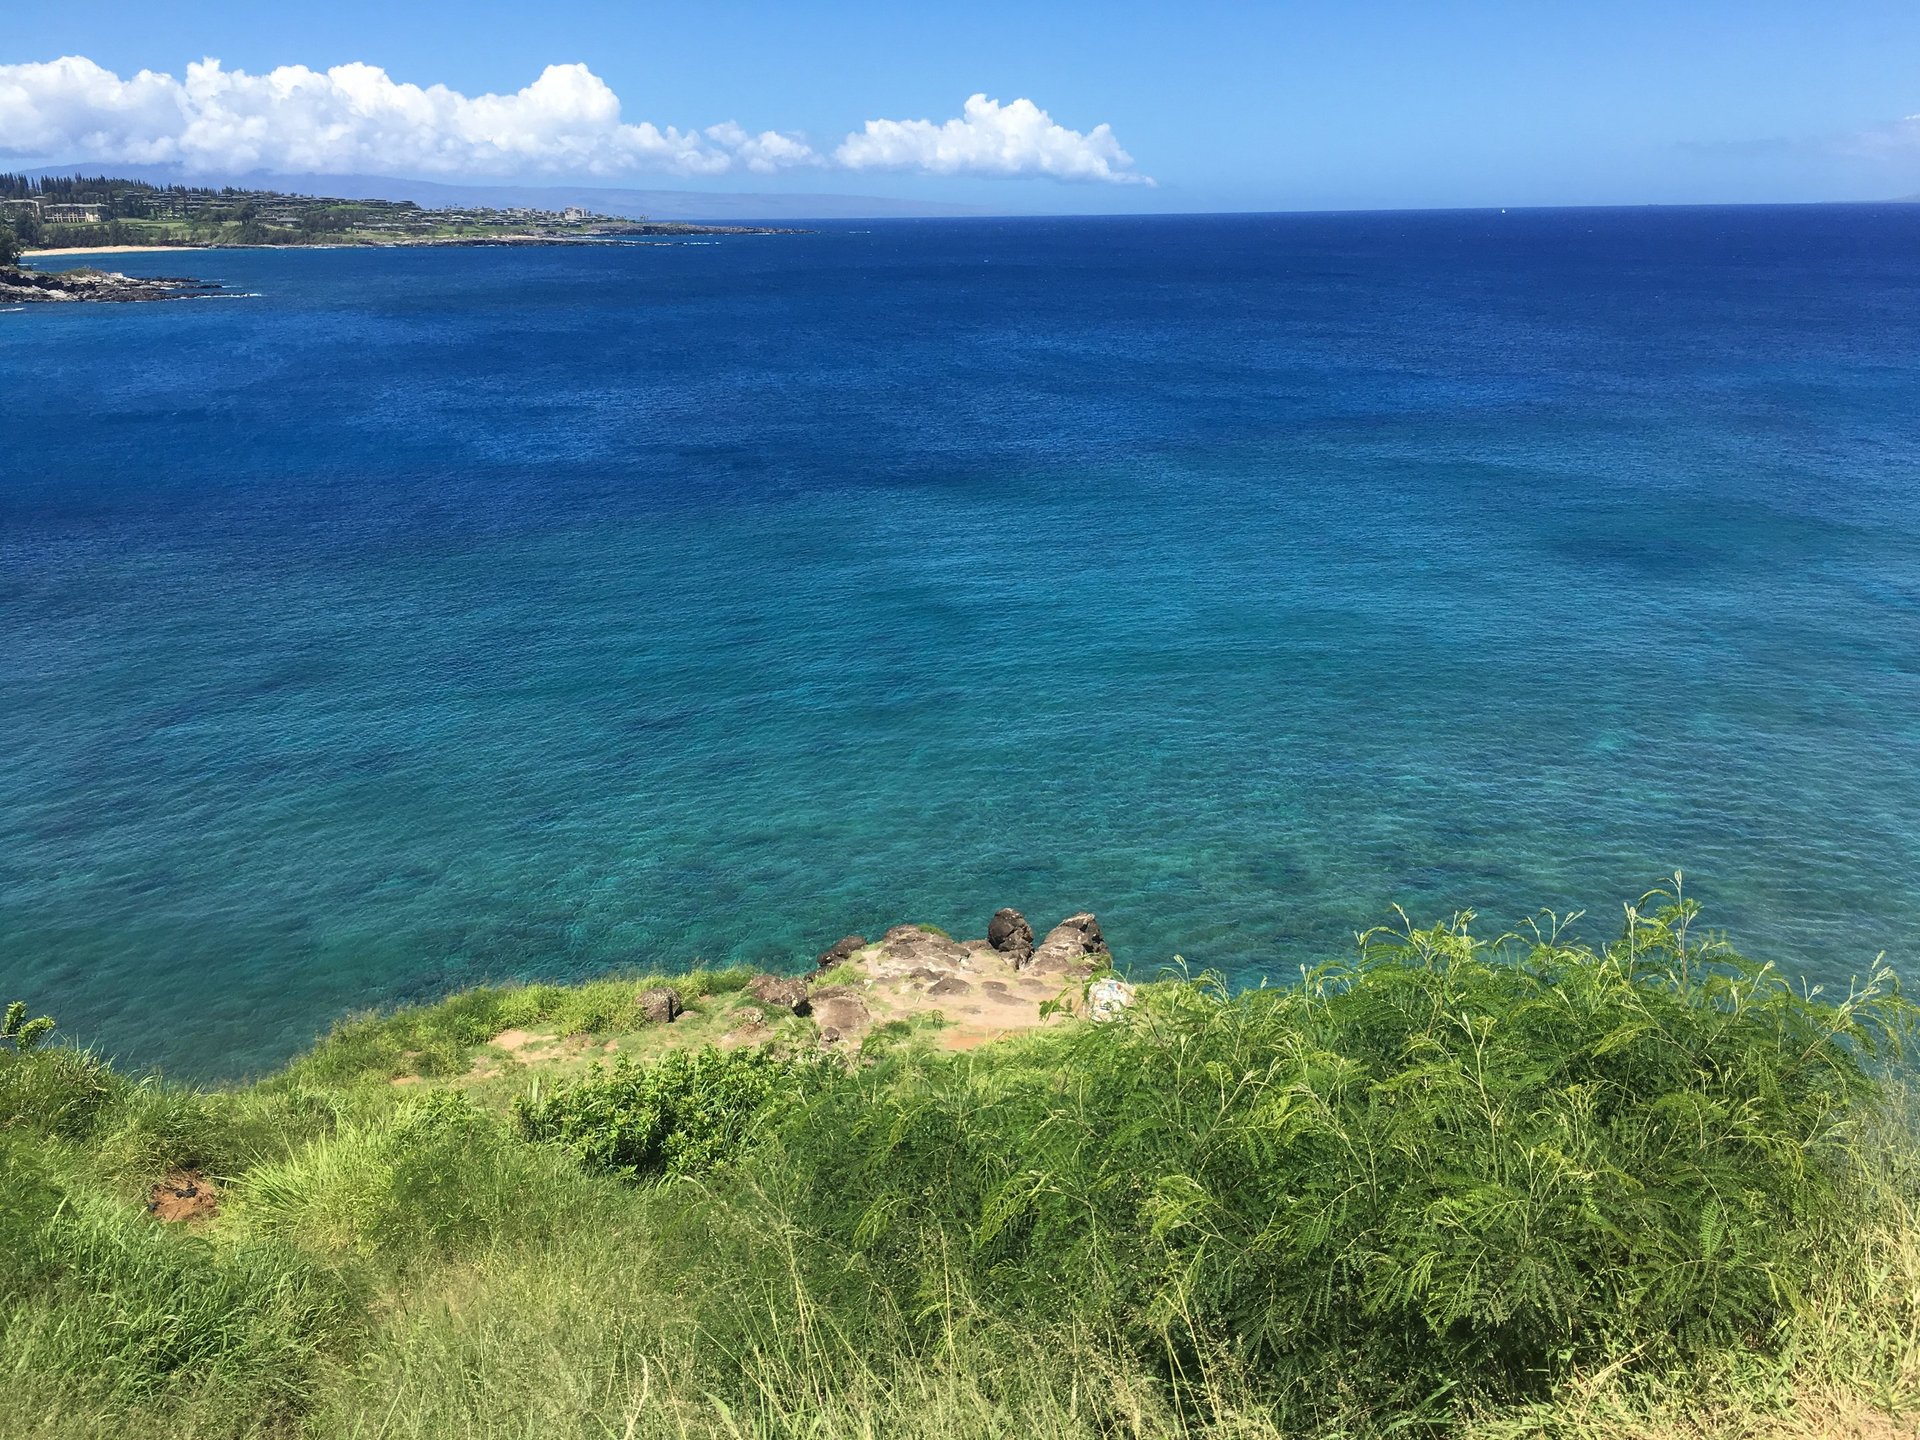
(839, 1012)
(840, 950)
(779, 991)
(660, 1005)
(1073, 946)
(908, 948)
(1010, 934)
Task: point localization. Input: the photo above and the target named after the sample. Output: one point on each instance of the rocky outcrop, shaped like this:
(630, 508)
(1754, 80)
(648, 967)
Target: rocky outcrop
(839, 1011)
(980, 989)
(1010, 934)
(1075, 945)
(907, 948)
(33, 286)
(839, 951)
(660, 1005)
(780, 992)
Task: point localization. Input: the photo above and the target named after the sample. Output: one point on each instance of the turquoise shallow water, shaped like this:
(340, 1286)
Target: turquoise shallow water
(435, 617)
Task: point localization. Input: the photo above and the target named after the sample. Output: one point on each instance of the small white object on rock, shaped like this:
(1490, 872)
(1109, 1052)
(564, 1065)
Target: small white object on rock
(1108, 999)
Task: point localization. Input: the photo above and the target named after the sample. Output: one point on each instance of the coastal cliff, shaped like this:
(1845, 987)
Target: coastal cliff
(1475, 1189)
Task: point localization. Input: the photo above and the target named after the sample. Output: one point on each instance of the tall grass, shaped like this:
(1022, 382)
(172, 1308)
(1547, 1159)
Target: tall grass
(1521, 1187)
(1442, 1169)
(435, 1041)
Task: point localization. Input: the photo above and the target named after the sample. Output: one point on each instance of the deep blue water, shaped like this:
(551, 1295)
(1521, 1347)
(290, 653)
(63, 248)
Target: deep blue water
(440, 616)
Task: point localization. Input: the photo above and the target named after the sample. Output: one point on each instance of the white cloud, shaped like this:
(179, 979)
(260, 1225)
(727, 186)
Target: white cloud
(355, 117)
(989, 138)
(1898, 141)
(358, 118)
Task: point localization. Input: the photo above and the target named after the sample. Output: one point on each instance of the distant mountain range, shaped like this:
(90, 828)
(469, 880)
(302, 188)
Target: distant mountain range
(628, 204)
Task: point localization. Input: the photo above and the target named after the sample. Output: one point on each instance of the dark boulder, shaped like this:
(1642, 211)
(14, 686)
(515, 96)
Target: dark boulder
(1074, 945)
(660, 1005)
(1010, 934)
(840, 950)
(781, 992)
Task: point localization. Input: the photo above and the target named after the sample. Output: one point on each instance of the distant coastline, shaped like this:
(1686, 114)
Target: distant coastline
(632, 231)
(77, 215)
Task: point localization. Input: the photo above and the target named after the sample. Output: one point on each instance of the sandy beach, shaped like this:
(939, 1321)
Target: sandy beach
(105, 250)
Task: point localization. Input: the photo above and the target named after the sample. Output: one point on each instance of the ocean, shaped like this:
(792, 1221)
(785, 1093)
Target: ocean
(439, 616)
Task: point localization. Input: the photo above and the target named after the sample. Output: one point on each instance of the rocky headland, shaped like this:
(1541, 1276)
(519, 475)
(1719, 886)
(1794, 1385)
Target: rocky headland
(21, 286)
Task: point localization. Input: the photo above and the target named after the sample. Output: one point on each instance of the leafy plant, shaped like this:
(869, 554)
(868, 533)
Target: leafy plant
(53, 1091)
(682, 1115)
(1445, 1164)
(24, 1034)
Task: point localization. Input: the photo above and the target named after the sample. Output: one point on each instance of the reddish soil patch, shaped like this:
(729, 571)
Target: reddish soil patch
(184, 1195)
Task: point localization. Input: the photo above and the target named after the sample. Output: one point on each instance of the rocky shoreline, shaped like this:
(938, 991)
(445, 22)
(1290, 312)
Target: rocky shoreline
(18, 286)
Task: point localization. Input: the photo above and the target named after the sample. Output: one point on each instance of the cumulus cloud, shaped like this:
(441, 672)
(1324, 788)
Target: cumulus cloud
(989, 138)
(359, 118)
(356, 117)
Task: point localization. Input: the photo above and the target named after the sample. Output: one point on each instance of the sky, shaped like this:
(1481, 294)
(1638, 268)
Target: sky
(1040, 106)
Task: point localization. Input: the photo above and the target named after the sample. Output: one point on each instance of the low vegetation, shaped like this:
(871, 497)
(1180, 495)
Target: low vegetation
(1488, 1189)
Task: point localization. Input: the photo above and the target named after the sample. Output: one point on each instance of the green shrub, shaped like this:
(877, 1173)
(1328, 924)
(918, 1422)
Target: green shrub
(21, 1034)
(681, 1115)
(1439, 1165)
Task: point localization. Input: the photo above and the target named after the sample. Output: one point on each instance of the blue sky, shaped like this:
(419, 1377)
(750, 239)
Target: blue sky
(1222, 106)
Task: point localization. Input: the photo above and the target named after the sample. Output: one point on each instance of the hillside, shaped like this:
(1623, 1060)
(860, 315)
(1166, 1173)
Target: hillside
(76, 212)
(943, 1188)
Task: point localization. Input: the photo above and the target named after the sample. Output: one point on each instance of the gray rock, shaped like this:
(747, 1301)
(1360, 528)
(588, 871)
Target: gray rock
(952, 985)
(908, 949)
(840, 1013)
(660, 1006)
(1010, 934)
(1074, 945)
(781, 992)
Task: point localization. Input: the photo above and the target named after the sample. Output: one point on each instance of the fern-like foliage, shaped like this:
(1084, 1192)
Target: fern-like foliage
(684, 1114)
(22, 1034)
(1475, 1164)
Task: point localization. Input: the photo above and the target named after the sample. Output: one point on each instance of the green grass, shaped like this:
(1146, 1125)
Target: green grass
(1494, 1190)
(434, 1041)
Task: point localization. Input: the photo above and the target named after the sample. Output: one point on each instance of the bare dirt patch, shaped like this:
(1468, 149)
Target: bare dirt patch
(184, 1195)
